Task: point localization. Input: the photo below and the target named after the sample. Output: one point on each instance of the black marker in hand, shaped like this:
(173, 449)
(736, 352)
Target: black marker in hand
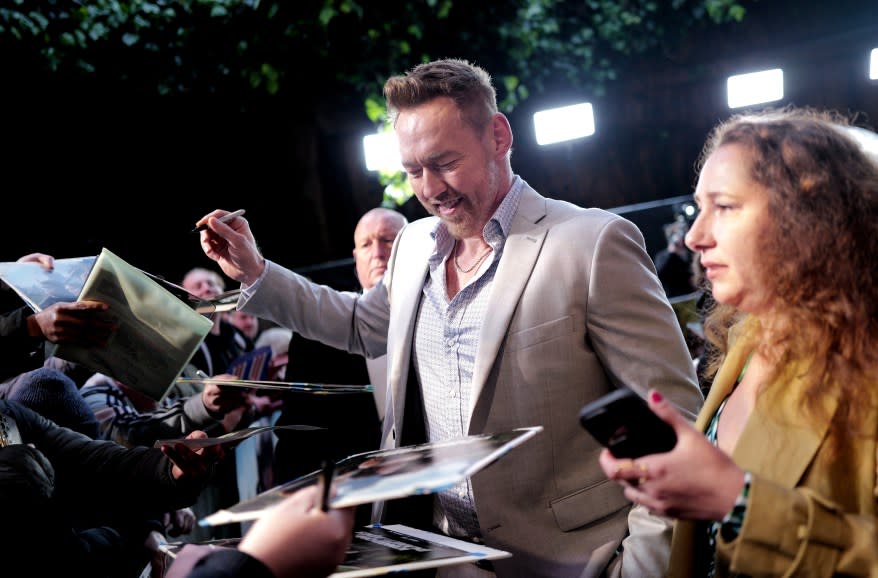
(325, 482)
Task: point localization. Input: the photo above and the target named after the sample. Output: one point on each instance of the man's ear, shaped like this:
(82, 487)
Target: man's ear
(502, 134)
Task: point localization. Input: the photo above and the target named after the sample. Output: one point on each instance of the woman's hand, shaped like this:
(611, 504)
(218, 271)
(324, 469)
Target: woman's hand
(694, 481)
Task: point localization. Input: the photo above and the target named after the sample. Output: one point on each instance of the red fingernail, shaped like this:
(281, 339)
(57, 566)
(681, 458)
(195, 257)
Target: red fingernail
(656, 397)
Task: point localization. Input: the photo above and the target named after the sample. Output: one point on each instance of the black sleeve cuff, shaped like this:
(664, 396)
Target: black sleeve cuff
(228, 563)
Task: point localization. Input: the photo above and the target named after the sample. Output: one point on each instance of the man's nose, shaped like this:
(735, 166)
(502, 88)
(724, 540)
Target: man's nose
(382, 252)
(433, 186)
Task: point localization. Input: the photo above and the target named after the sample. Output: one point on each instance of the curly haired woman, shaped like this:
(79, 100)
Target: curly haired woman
(778, 477)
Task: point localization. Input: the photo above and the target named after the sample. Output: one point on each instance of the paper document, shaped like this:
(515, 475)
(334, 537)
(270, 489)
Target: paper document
(157, 332)
(388, 474)
(251, 365)
(316, 388)
(379, 550)
(40, 288)
(232, 438)
(223, 302)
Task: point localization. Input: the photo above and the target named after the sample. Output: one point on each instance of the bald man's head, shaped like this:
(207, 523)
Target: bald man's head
(373, 239)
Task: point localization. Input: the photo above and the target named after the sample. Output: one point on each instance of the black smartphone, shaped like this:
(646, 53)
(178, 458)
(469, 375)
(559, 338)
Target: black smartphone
(623, 422)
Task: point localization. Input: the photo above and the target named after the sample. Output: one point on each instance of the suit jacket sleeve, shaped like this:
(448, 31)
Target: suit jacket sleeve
(629, 314)
(792, 531)
(353, 322)
(631, 323)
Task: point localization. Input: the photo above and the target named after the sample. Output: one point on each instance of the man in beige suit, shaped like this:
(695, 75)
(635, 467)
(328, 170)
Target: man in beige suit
(503, 310)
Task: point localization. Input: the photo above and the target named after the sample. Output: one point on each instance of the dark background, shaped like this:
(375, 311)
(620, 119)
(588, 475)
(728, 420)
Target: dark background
(134, 175)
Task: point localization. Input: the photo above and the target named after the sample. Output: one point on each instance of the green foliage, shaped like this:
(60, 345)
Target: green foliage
(254, 48)
(540, 45)
(242, 51)
(397, 188)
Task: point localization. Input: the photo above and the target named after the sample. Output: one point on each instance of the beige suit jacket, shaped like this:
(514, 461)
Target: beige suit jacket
(576, 310)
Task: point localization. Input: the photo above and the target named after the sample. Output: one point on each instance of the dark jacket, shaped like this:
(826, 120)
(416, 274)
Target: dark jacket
(19, 352)
(81, 492)
(200, 561)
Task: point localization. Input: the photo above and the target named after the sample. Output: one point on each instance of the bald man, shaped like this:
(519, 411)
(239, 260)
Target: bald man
(373, 239)
(352, 426)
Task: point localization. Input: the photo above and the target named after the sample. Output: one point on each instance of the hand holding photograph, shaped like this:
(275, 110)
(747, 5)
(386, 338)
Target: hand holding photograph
(157, 332)
(40, 288)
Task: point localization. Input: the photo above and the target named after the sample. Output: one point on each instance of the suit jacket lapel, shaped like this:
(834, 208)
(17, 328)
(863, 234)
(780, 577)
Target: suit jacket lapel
(410, 270)
(722, 385)
(777, 441)
(780, 440)
(520, 254)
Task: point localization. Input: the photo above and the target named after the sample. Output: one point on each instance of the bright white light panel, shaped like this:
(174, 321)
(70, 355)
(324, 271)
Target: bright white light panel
(565, 123)
(755, 88)
(382, 152)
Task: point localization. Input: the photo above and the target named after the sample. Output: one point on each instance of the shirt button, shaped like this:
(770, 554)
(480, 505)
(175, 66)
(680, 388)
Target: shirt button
(450, 342)
(452, 393)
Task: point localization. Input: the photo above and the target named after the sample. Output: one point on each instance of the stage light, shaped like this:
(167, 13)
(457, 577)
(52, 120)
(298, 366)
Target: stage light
(755, 88)
(866, 139)
(382, 152)
(565, 123)
(873, 64)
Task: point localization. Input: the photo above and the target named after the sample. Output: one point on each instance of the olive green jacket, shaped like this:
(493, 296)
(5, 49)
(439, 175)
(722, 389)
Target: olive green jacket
(808, 513)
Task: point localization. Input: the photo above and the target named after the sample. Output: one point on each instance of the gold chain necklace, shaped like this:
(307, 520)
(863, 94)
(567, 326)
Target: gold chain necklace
(474, 265)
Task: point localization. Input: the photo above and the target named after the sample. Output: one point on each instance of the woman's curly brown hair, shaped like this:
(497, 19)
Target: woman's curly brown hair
(819, 261)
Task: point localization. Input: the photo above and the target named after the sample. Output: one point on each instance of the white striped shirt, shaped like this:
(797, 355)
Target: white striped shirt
(445, 347)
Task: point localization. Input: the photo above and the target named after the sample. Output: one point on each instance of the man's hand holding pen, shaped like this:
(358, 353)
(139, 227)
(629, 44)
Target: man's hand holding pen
(223, 219)
(232, 245)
